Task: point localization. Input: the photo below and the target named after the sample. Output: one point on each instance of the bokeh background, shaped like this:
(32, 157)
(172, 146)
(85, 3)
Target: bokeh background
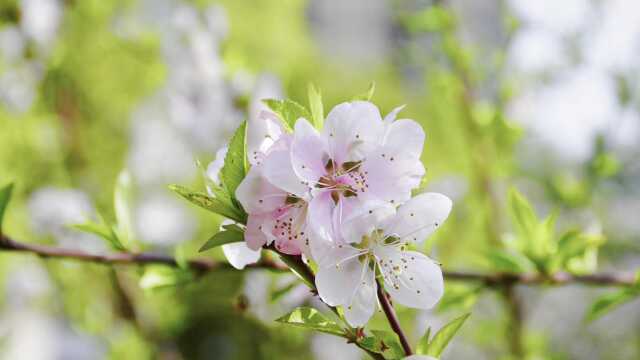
(540, 95)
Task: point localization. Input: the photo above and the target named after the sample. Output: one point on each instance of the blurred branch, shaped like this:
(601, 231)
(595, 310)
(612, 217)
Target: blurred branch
(205, 265)
(393, 319)
(558, 278)
(515, 328)
(200, 265)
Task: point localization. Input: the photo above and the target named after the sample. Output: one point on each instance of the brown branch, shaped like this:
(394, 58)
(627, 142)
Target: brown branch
(393, 319)
(125, 258)
(205, 265)
(516, 324)
(557, 279)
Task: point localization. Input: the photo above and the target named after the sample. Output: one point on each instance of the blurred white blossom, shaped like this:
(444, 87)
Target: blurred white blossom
(163, 220)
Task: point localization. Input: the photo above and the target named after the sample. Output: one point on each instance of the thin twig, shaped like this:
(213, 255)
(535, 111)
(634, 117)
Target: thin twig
(125, 258)
(393, 319)
(515, 328)
(615, 279)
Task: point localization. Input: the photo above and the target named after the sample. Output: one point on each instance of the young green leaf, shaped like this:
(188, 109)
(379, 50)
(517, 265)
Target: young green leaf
(442, 338)
(278, 293)
(235, 163)
(315, 104)
(298, 268)
(509, 261)
(156, 277)
(522, 213)
(383, 342)
(423, 343)
(5, 196)
(209, 203)
(309, 318)
(610, 301)
(289, 111)
(122, 206)
(104, 230)
(180, 255)
(221, 238)
(366, 96)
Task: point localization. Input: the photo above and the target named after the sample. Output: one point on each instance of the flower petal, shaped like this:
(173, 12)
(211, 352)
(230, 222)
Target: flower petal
(214, 167)
(410, 277)
(308, 152)
(240, 255)
(279, 171)
(351, 129)
(404, 138)
(321, 208)
(363, 302)
(336, 283)
(257, 195)
(254, 235)
(419, 217)
(363, 219)
(393, 114)
(390, 178)
(262, 132)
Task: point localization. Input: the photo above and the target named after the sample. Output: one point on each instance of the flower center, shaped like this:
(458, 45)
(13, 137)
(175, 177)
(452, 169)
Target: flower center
(345, 180)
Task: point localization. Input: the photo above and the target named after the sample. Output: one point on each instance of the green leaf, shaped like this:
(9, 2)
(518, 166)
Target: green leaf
(309, 318)
(315, 104)
(610, 301)
(5, 196)
(442, 338)
(221, 238)
(522, 213)
(432, 19)
(299, 268)
(156, 277)
(283, 291)
(235, 162)
(383, 342)
(289, 111)
(103, 229)
(122, 206)
(423, 343)
(460, 296)
(366, 96)
(209, 203)
(180, 255)
(509, 261)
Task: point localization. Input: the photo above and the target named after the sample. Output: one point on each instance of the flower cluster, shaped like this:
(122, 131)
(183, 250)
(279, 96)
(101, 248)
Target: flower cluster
(341, 196)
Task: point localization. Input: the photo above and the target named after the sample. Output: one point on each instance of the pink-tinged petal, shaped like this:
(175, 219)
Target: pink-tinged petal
(321, 208)
(279, 172)
(362, 304)
(289, 229)
(403, 139)
(393, 114)
(257, 195)
(351, 130)
(262, 132)
(308, 153)
(254, 235)
(389, 178)
(410, 277)
(419, 217)
(240, 255)
(336, 283)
